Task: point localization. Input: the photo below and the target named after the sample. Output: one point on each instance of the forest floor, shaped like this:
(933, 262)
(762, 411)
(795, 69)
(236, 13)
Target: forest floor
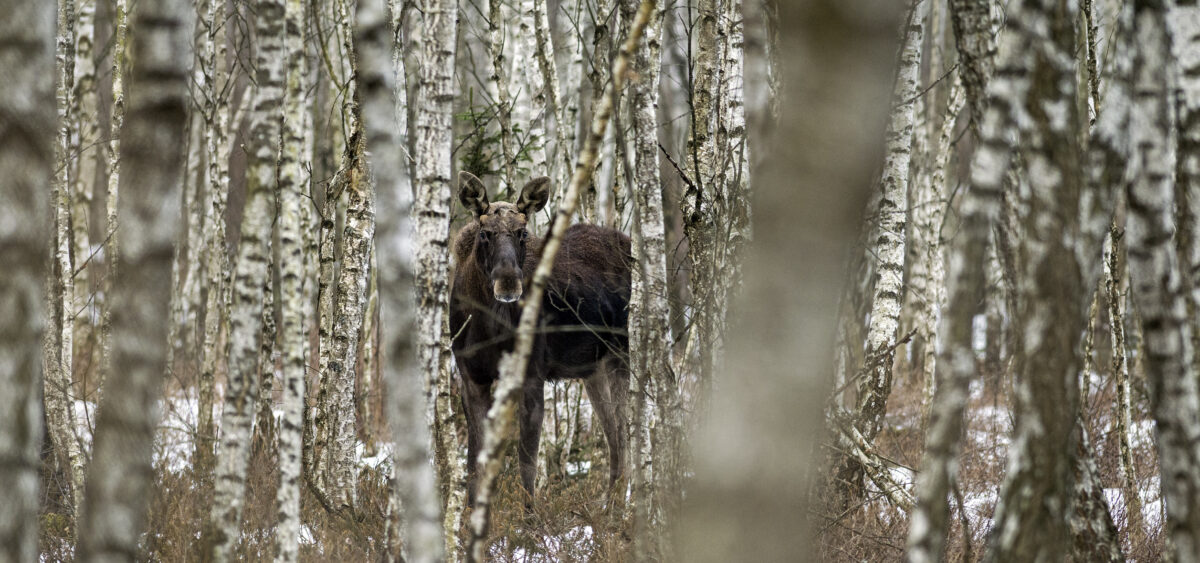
(877, 531)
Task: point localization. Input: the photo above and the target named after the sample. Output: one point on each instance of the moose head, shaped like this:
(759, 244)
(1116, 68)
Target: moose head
(501, 234)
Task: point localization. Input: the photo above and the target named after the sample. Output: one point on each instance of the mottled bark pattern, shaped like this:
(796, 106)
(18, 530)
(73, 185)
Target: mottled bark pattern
(120, 475)
(26, 164)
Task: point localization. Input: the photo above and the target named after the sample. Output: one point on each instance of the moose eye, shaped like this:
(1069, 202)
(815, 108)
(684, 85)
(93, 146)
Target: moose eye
(522, 235)
(485, 236)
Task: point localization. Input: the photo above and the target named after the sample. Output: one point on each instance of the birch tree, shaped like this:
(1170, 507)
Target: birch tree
(1157, 288)
(414, 479)
(748, 499)
(152, 151)
(26, 162)
(59, 348)
(295, 311)
(874, 388)
(241, 392)
(649, 318)
(116, 120)
(216, 256)
(966, 282)
(433, 46)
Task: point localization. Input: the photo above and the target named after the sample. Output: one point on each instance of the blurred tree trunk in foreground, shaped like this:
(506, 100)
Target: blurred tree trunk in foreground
(26, 163)
(749, 496)
(121, 475)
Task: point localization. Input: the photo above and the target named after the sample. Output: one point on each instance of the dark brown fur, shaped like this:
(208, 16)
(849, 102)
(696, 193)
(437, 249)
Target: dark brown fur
(582, 324)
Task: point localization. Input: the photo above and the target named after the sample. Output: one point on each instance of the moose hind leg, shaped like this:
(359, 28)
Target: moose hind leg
(605, 403)
(531, 413)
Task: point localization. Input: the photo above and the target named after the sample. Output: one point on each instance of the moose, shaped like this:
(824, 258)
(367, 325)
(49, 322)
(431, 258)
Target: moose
(580, 330)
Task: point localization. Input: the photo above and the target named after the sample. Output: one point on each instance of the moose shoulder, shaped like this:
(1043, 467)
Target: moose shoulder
(581, 328)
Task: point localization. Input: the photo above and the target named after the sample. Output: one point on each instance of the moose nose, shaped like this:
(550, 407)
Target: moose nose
(506, 292)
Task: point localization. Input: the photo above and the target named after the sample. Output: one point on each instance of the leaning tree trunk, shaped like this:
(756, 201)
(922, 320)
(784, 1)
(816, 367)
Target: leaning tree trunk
(26, 164)
(292, 280)
(120, 475)
(406, 404)
(875, 387)
(241, 392)
(745, 504)
(1157, 286)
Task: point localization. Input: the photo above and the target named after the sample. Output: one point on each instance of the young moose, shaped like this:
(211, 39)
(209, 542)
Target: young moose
(581, 328)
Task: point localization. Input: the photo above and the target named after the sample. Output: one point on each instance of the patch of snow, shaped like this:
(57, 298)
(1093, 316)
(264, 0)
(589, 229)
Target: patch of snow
(575, 468)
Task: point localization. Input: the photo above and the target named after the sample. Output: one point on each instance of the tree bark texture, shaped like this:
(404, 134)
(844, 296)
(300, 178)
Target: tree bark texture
(27, 162)
(120, 475)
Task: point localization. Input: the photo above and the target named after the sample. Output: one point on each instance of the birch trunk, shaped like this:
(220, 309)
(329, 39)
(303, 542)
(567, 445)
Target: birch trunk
(87, 126)
(649, 326)
(1114, 289)
(119, 477)
(434, 46)
(217, 267)
(749, 498)
(883, 330)
(1157, 289)
(414, 478)
(498, 84)
(1031, 519)
(116, 121)
(1185, 31)
(27, 160)
(340, 473)
(241, 392)
(966, 283)
(972, 22)
(59, 381)
(513, 365)
(292, 282)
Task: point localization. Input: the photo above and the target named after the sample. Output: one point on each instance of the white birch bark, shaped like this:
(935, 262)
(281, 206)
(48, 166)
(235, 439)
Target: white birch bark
(1157, 286)
(513, 365)
(59, 394)
(498, 84)
(406, 404)
(120, 474)
(27, 160)
(1185, 31)
(116, 120)
(649, 318)
(87, 140)
(1114, 289)
(531, 106)
(749, 497)
(1036, 499)
(292, 282)
(434, 43)
(882, 332)
(217, 267)
(965, 283)
(340, 473)
(241, 392)
(972, 22)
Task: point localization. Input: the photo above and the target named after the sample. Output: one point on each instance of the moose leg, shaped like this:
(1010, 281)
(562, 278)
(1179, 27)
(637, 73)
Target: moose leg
(532, 411)
(476, 399)
(611, 417)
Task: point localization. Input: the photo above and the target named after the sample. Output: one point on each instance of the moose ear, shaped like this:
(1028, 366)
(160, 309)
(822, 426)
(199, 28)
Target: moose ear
(472, 193)
(534, 196)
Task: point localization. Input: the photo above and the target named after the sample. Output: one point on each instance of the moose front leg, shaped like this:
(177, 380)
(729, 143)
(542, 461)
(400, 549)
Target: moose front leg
(532, 411)
(477, 399)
